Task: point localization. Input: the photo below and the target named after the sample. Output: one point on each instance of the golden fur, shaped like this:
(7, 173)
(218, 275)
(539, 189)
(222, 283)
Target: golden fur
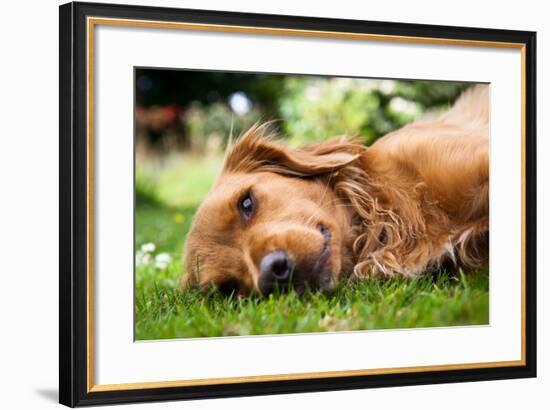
(417, 199)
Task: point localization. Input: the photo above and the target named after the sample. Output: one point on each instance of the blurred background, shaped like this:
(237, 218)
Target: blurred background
(184, 119)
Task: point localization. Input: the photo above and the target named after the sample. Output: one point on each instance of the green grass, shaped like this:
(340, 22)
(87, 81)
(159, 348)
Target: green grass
(164, 312)
(163, 215)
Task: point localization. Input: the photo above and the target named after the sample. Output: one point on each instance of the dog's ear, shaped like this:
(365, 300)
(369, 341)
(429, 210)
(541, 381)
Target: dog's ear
(256, 150)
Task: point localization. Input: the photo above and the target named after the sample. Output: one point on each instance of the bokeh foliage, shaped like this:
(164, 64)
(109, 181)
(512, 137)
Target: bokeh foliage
(197, 109)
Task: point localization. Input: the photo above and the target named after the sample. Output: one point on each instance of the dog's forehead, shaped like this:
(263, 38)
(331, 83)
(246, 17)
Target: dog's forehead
(229, 188)
(230, 183)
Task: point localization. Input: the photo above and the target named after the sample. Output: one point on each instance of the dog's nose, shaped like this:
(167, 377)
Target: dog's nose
(276, 265)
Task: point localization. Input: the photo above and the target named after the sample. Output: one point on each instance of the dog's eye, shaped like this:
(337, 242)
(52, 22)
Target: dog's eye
(247, 206)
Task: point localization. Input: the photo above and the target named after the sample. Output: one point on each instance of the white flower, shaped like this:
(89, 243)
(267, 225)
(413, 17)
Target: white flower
(142, 258)
(162, 260)
(240, 103)
(148, 247)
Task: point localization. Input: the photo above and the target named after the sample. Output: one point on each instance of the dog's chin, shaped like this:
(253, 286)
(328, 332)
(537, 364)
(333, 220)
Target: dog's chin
(325, 281)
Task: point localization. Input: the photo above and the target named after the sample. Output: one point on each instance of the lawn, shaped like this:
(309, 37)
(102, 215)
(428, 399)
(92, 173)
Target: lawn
(167, 197)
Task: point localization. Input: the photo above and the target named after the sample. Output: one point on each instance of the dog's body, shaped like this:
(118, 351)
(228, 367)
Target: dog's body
(415, 200)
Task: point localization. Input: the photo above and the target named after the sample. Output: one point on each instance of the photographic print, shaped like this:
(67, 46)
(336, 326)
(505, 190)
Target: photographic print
(280, 203)
(319, 189)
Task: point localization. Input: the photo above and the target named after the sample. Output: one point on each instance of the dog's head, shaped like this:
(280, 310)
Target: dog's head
(272, 219)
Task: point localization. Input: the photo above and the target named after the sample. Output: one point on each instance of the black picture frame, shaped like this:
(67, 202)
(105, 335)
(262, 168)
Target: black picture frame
(73, 370)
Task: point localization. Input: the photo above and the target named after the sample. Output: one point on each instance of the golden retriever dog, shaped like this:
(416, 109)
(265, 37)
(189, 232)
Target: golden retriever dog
(415, 200)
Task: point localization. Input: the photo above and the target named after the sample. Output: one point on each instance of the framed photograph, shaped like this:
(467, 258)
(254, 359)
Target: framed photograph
(261, 204)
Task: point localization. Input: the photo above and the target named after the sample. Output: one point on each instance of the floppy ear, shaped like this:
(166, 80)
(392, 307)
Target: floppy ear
(257, 151)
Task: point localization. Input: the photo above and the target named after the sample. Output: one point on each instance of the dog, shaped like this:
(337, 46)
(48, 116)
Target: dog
(414, 201)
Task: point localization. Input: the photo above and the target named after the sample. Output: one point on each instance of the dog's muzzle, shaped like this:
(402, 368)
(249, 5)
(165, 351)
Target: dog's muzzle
(279, 272)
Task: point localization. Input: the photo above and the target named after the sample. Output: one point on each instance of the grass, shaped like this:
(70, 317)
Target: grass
(163, 311)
